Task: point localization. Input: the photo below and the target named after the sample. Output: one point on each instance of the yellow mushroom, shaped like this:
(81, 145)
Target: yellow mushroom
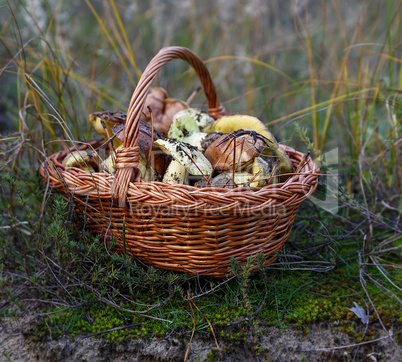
(261, 171)
(80, 159)
(103, 123)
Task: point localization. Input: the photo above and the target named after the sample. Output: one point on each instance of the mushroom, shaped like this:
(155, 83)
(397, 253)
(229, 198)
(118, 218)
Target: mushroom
(81, 159)
(186, 159)
(162, 109)
(228, 124)
(209, 139)
(227, 180)
(222, 180)
(261, 169)
(186, 128)
(105, 121)
(182, 126)
(202, 119)
(195, 139)
(240, 178)
(175, 173)
(172, 106)
(155, 100)
(234, 152)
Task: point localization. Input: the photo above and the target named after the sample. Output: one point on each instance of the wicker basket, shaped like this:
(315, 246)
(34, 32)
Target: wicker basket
(179, 227)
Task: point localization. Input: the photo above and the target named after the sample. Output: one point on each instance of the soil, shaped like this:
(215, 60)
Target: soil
(320, 344)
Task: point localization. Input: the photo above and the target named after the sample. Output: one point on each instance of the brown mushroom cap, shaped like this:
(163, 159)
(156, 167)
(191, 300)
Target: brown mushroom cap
(172, 106)
(156, 101)
(163, 109)
(229, 150)
(209, 139)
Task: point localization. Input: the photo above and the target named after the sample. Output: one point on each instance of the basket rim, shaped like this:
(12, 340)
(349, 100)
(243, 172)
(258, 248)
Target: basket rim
(57, 157)
(154, 193)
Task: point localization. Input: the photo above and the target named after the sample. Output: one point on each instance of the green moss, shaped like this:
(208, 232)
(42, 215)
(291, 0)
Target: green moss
(323, 298)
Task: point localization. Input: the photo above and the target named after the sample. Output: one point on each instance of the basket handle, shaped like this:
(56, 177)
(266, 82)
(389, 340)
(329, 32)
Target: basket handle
(127, 157)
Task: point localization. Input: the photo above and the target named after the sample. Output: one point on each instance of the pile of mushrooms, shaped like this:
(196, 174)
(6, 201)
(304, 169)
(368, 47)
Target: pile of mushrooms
(233, 151)
(216, 159)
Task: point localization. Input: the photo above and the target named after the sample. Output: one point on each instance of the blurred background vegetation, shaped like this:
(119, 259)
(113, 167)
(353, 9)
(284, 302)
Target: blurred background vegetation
(322, 75)
(287, 62)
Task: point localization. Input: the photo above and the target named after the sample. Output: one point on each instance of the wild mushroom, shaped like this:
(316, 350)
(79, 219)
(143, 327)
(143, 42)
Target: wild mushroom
(240, 178)
(163, 109)
(182, 126)
(234, 151)
(81, 159)
(155, 100)
(195, 139)
(229, 124)
(222, 181)
(172, 106)
(152, 163)
(103, 123)
(185, 127)
(202, 119)
(227, 180)
(261, 170)
(186, 159)
(209, 139)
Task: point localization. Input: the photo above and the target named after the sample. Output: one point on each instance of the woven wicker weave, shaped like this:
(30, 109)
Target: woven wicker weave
(179, 227)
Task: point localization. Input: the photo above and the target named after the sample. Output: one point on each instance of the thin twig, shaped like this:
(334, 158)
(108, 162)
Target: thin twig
(303, 162)
(254, 314)
(212, 289)
(192, 333)
(342, 347)
(112, 330)
(212, 329)
(114, 305)
(152, 136)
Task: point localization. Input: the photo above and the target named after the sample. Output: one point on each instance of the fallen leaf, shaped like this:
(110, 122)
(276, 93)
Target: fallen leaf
(359, 311)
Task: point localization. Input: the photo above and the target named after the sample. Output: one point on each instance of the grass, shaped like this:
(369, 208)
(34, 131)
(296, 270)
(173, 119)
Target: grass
(322, 77)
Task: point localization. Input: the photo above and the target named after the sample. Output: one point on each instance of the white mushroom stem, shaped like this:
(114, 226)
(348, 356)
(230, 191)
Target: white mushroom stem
(175, 173)
(240, 178)
(194, 139)
(188, 156)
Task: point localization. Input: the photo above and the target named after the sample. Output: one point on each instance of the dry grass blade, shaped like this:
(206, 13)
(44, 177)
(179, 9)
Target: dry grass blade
(112, 42)
(10, 148)
(210, 326)
(303, 162)
(345, 346)
(193, 331)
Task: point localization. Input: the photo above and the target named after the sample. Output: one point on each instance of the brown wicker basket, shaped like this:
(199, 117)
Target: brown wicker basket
(179, 227)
